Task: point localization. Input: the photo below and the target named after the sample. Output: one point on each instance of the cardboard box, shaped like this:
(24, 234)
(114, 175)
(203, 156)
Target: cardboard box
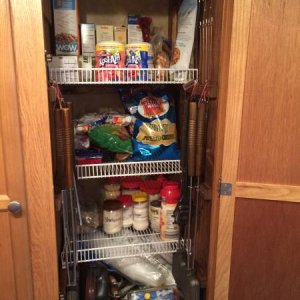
(104, 33)
(88, 39)
(66, 27)
(120, 34)
(134, 31)
(69, 62)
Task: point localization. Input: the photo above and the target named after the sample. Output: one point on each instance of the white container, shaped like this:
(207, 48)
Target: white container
(88, 39)
(104, 33)
(112, 216)
(140, 211)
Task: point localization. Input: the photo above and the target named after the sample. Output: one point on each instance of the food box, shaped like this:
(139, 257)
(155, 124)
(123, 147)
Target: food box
(120, 34)
(66, 62)
(134, 30)
(105, 33)
(66, 27)
(88, 39)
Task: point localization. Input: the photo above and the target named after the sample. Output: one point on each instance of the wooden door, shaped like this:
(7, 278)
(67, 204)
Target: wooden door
(255, 234)
(28, 263)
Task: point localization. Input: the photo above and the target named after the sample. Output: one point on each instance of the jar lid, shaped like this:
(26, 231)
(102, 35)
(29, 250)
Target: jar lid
(155, 203)
(131, 183)
(125, 199)
(113, 204)
(139, 197)
(161, 179)
(112, 187)
(171, 193)
(150, 187)
(113, 180)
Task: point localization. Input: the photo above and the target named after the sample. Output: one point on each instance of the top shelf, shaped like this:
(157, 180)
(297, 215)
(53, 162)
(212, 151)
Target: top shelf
(104, 76)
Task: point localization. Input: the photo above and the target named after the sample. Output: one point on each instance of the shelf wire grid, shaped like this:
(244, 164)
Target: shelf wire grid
(137, 168)
(98, 76)
(96, 246)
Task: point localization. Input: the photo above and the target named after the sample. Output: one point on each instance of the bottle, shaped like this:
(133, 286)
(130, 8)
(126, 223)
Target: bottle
(112, 216)
(170, 195)
(127, 203)
(140, 211)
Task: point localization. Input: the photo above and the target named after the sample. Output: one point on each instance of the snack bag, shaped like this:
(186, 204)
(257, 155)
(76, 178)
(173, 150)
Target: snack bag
(154, 133)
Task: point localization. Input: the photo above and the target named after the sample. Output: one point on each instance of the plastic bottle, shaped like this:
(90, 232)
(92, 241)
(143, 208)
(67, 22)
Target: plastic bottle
(140, 211)
(127, 203)
(170, 195)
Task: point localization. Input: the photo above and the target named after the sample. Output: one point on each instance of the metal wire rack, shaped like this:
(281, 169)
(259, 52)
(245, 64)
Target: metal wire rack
(96, 246)
(137, 168)
(103, 76)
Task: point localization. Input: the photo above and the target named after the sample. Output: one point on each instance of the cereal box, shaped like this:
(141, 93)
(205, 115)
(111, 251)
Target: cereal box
(66, 27)
(88, 39)
(105, 33)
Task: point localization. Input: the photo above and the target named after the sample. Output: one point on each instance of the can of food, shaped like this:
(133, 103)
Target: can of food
(137, 58)
(155, 208)
(110, 55)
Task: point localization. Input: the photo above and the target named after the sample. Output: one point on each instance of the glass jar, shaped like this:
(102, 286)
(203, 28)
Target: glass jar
(130, 185)
(112, 216)
(140, 211)
(111, 191)
(152, 189)
(127, 203)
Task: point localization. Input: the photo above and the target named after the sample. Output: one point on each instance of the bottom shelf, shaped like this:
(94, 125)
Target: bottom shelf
(96, 246)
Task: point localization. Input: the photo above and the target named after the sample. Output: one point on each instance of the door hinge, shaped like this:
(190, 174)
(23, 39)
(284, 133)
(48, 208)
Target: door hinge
(225, 188)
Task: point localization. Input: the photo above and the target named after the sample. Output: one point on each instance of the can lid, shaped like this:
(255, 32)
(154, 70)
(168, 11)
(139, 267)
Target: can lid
(113, 204)
(131, 183)
(155, 203)
(150, 187)
(139, 197)
(125, 199)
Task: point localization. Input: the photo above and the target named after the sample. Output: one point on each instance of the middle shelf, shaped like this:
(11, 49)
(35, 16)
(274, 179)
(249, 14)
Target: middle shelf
(96, 246)
(135, 168)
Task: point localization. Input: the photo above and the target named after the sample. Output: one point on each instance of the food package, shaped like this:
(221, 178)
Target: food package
(154, 133)
(88, 156)
(105, 33)
(88, 39)
(66, 27)
(111, 137)
(120, 34)
(182, 51)
(135, 34)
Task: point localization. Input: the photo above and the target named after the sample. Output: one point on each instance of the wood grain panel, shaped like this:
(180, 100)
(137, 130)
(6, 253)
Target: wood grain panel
(270, 139)
(265, 257)
(7, 278)
(34, 123)
(16, 231)
(267, 191)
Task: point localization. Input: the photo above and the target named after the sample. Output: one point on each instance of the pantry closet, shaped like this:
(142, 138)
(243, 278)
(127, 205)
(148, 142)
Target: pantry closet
(248, 232)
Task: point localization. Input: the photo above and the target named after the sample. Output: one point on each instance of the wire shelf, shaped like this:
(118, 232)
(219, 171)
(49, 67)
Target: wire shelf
(137, 168)
(96, 246)
(103, 76)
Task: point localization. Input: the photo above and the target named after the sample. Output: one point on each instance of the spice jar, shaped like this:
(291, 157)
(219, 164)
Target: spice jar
(140, 211)
(170, 195)
(152, 189)
(154, 215)
(112, 216)
(112, 189)
(127, 203)
(131, 185)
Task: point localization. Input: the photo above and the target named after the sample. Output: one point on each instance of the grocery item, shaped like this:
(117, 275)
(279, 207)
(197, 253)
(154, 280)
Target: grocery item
(140, 211)
(110, 55)
(120, 34)
(162, 293)
(86, 62)
(89, 216)
(66, 27)
(144, 23)
(104, 33)
(88, 156)
(88, 39)
(151, 188)
(170, 195)
(111, 190)
(154, 215)
(67, 62)
(112, 216)
(137, 58)
(127, 203)
(182, 51)
(130, 185)
(154, 134)
(111, 137)
(135, 34)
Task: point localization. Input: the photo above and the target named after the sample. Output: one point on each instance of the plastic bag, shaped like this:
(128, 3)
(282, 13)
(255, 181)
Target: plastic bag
(154, 133)
(111, 137)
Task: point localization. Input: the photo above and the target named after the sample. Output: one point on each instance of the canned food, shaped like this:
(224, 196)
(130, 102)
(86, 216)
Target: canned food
(110, 55)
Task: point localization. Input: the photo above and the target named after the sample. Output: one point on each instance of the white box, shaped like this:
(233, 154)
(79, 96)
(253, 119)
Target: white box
(88, 39)
(120, 34)
(66, 27)
(134, 31)
(104, 33)
(66, 62)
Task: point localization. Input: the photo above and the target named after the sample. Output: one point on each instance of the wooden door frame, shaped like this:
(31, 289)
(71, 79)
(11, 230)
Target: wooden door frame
(234, 42)
(31, 85)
